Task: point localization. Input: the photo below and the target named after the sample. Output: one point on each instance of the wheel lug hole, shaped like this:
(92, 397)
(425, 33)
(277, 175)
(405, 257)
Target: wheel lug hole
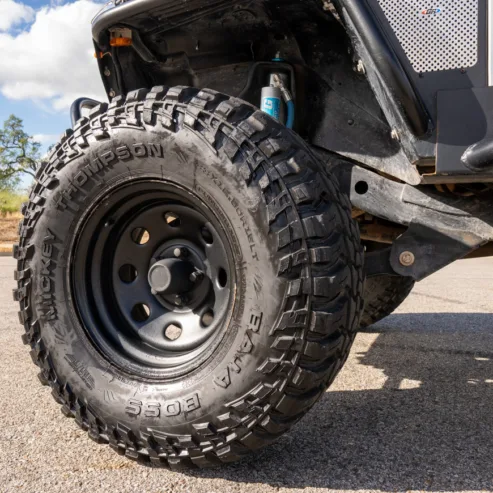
(127, 273)
(207, 235)
(140, 236)
(222, 278)
(172, 220)
(140, 312)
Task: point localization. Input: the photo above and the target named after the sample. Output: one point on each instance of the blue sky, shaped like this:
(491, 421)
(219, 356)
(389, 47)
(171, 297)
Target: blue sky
(38, 120)
(46, 62)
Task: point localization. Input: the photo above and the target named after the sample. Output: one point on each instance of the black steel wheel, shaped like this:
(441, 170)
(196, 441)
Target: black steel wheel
(189, 278)
(153, 278)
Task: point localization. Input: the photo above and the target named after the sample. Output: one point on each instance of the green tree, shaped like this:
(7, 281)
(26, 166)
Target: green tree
(19, 153)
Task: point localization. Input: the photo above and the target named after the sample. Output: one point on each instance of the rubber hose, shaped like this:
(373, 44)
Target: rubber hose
(290, 118)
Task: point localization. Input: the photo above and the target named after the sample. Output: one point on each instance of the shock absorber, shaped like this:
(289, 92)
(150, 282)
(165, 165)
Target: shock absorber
(277, 99)
(272, 99)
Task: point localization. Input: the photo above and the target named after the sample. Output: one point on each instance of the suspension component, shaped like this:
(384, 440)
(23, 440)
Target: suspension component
(277, 100)
(272, 101)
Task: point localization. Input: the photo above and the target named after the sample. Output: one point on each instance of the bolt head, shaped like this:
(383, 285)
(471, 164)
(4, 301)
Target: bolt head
(360, 67)
(181, 300)
(196, 276)
(407, 259)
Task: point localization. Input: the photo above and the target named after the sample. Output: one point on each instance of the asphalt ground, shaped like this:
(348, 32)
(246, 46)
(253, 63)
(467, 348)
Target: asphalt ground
(411, 411)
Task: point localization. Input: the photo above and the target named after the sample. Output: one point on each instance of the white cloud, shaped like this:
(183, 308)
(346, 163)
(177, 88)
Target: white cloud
(53, 61)
(13, 13)
(46, 138)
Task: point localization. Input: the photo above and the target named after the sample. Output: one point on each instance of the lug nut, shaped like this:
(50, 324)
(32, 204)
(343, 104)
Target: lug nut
(196, 276)
(180, 252)
(407, 259)
(181, 300)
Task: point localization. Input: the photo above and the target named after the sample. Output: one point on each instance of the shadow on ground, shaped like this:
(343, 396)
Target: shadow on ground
(428, 428)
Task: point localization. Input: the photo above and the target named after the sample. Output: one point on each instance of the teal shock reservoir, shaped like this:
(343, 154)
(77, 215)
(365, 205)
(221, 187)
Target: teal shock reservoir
(272, 102)
(276, 100)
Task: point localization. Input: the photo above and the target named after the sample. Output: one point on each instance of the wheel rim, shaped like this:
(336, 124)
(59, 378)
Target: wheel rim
(153, 279)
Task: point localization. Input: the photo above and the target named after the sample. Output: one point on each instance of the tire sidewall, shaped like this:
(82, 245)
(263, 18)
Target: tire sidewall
(118, 397)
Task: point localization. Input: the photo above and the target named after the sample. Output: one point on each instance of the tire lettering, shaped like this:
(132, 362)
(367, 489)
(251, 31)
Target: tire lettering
(173, 409)
(107, 158)
(255, 322)
(123, 153)
(45, 299)
(155, 150)
(191, 403)
(93, 167)
(80, 178)
(81, 370)
(66, 198)
(234, 202)
(224, 377)
(139, 150)
(246, 346)
(133, 407)
(153, 410)
(168, 409)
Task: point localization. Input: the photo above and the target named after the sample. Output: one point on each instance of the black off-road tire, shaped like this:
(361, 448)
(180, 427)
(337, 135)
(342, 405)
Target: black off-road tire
(383, 295)
(298, 265)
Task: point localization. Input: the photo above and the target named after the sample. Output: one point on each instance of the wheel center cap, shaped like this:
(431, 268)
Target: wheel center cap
(170, 276)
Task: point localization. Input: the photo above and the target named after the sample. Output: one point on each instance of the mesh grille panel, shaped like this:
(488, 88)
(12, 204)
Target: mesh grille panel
(433, 41)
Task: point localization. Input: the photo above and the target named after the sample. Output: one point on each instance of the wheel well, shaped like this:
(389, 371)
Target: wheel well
(219, 49)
